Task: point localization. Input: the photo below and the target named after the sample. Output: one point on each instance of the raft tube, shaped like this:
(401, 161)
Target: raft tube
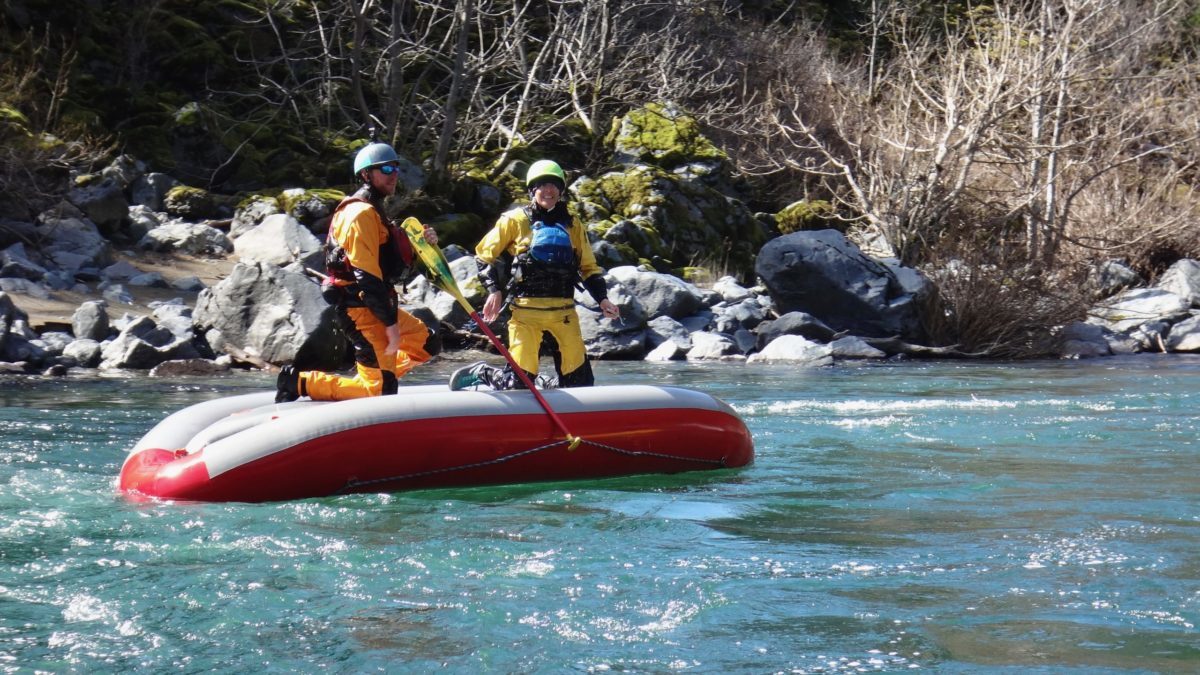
(248, 448)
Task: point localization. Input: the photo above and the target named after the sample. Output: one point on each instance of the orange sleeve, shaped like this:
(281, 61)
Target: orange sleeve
(361, 232)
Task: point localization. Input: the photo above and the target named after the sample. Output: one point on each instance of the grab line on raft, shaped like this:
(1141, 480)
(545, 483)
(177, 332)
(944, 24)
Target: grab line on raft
(350, 485)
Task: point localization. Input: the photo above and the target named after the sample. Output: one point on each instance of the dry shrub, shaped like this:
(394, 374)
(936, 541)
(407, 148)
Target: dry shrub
(1149, 219)
(995, 307)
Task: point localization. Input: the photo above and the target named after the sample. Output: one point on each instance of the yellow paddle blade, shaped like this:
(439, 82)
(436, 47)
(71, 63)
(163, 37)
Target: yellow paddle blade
(434, 261)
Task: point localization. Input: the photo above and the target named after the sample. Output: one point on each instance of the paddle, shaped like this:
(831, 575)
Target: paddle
(443, 278)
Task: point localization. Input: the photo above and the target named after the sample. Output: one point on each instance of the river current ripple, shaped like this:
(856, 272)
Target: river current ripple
(946, 516)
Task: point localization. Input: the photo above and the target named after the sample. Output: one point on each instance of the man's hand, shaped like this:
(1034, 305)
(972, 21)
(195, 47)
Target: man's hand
(393, 337)
(492, 306)
(431, 235)
(610, 310)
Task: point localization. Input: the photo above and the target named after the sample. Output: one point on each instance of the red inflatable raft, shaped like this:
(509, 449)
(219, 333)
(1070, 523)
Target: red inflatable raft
(248, 448)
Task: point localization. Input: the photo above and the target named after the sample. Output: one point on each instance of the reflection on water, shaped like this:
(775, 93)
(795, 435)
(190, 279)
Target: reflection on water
(955, 517)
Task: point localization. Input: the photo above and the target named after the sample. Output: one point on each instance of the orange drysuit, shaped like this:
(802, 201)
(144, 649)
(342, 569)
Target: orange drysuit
(367, 258)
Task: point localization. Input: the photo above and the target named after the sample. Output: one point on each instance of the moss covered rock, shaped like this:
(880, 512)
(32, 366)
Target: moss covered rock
(311, 207)
(13, 122)
(816, 214)
(670, 220)
(662, 135)
(191, 203)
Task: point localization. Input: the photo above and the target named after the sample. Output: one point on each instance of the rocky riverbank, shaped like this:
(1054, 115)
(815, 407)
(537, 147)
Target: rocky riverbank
(134, 271)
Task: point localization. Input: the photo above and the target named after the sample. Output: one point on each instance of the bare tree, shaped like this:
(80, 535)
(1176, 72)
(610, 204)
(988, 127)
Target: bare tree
(1013, 114)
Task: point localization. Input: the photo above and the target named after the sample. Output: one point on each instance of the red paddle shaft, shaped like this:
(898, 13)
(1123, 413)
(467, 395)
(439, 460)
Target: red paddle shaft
(524, 377)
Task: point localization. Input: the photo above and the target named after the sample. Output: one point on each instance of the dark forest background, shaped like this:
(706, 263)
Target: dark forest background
(1004, 148)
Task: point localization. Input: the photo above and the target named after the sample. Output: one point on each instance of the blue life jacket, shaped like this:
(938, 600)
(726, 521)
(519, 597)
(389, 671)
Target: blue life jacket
(549, 268)
(551, 245)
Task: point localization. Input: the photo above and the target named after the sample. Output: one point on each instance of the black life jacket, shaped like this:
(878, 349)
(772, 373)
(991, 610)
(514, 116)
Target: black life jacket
(550, 267)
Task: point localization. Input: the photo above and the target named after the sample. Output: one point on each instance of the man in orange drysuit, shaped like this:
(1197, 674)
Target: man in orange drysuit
(365, 257)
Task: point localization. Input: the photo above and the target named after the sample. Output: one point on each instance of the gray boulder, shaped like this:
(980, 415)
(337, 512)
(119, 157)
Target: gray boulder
(824, 274)
(700, 321)
(148, 279)
(116, 294)
(85, 352)
(189, 368)
(744, 315)
(102, 200)
(15, 262)
(1079, 340)
(73, 242)
(312, 208)
(175, 317)
(1127, 311)
(151, 190)
(1112, 276)
(1183, 279)
(731, 291)
(712, 346)
(607, 339)
(53, 342)
(852, 347)
(141, 221)
(12, 319)
(120, 271)
(250, 213)
(1185, 335)
(143, 344)
(16, 231)
(794, 323)
(669, 351)
(19, 348)
(665, 329)
(280, 240)
(633, 313)
(445, 307)
(90, 321)
(658, 294)
(745, 340)
(270, 313)
(25, 287)
(192, 238)
(796, 350)
(192, 284)
(124, 170)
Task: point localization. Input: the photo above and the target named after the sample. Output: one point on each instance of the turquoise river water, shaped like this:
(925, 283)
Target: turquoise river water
(940, 517)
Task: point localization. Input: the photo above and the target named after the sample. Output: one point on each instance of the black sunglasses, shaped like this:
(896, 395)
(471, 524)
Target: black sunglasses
(388, 169)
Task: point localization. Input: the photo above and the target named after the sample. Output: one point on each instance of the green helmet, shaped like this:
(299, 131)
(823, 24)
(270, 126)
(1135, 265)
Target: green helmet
(374, 155)
(544, 168)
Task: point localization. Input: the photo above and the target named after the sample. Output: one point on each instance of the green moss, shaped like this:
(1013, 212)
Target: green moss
(289, 200)
(188, 115)
(623, 192)
(804, 215)
(189, 202)
(12, 119)
(662, 135)
(246, 200)
(626, 251)
(700, 276)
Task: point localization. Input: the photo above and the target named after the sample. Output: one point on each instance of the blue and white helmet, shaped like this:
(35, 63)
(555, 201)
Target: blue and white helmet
(374, 154)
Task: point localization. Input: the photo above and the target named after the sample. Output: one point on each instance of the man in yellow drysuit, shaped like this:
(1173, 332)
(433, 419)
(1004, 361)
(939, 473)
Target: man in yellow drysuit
(550, 254)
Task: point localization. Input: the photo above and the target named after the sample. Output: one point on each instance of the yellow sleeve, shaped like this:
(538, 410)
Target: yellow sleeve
(360, 231)
(503, 237)
(587, 259)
